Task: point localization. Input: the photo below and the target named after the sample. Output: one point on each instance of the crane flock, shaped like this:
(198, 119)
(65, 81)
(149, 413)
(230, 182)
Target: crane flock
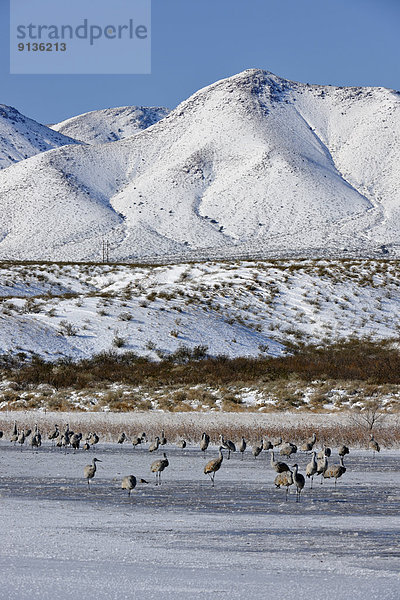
(286, 476)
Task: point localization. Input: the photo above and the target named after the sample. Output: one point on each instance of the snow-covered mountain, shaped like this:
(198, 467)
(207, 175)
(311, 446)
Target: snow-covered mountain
(110, 124)
(253, 164)
(21, 137)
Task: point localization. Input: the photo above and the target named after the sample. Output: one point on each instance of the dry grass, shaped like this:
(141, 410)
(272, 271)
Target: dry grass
(355, 436)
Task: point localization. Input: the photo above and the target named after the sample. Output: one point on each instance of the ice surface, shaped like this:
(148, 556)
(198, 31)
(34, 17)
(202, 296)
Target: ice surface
(187, 540)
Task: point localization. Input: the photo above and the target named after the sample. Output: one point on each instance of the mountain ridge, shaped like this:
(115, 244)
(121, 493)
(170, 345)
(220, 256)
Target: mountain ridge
(253, 164)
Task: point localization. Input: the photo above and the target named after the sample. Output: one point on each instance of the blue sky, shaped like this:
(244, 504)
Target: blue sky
(196, 42)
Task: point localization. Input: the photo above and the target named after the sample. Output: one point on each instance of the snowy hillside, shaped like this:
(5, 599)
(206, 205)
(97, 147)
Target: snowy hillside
(236, 309)
(251, 165)
(22, 138)
(110, 124)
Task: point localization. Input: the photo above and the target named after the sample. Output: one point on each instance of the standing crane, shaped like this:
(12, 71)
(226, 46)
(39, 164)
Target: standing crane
(373, 445)
(21, 438)
(228, 445)
(121, 438)
(257, 449)
(128, 483)
(158, 467)
(277, 465)
(242, 447)
(309, 445)
(288, 449)
(214, 465)
(90, 470)
(204, 442)
(343, 450)
(322, 465)
(154, 445)
(311, 468)
(335, 471)
(14, 434)
(284, 479)
(299, 481)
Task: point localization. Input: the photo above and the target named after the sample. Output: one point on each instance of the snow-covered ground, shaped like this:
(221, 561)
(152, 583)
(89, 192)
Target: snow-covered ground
(21, 137)
(110, 124)
(236, 309)
(185, 539)
(251, 165)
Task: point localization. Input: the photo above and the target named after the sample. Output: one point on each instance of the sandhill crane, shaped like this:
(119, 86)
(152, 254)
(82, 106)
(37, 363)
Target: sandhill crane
(288, 449)
(86, 446)
(228, 445)
(158, 467)
(21, 438)
(136, 441)
(278, 466)
(181, 444)
(373, 445)
(267, 444)
(163, 439)
(242, 447)
(214, 465)
(309, 445)
(311, 468)
(205, 440)
(299, 481)
(14, 434)
(28, 432)
(324, 452)
(343, 450)
(90, 470)
(277, 442)
(64, 441)
(257, 449)
(93, 439)
(335, 471)
(53, 435)
(154, 445)
(284, 479)
(36, 440)
(121, 438)
(322, 465)
(128, 483)
(75, 441)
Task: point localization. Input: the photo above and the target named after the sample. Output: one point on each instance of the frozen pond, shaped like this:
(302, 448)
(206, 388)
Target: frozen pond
(185, 539)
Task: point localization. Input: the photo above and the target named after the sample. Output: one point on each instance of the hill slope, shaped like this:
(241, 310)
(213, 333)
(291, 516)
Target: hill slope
(253, 164)
(110, 124)
(21, 137)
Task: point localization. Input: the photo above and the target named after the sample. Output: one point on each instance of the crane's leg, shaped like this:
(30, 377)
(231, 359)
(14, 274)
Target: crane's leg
(212, 478)
(312, 479)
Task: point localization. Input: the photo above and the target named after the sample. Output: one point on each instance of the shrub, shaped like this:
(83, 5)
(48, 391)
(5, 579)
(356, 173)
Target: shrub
(67, 329)
(118, 341)
(125, 316)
